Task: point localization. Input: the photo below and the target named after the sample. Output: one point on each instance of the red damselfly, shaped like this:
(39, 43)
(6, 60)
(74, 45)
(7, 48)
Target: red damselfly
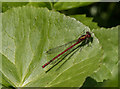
(80, 39)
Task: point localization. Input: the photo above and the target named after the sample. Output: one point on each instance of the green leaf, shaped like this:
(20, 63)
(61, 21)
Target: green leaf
(113, 81)
(0, 86)
(4, 81)
(0, 49)
(69, 5)
(40, 4)
(9, 69)
(86, 20)
(27, 34)
(7, 5)
(0, 80)
(109, 40)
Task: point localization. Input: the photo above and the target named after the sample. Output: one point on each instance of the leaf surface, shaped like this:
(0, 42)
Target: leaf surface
(109, 40)
(69, 5)
(86, 20)
(29, 33)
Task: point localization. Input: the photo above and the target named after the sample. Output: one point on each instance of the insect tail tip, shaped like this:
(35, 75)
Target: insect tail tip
(43, 66)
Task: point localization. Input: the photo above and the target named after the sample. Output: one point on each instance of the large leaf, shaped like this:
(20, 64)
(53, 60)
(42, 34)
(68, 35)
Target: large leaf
(0, 86)
(86, 20)
(0, 46)
(113, 80)
(41, 4)
(70, 5)
(1, 79)
(4, 81)
(7, 5)
(109, 41)
(28, 32)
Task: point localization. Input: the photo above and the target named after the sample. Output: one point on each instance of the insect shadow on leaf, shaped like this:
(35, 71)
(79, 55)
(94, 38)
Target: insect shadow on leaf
(72, 52)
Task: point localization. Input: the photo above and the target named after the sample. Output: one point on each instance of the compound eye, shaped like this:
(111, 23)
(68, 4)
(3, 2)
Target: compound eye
(89, 35)
(87, 32)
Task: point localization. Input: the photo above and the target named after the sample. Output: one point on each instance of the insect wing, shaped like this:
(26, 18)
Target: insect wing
(61, 47)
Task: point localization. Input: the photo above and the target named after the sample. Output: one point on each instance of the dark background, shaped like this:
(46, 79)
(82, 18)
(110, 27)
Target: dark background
(106, 14)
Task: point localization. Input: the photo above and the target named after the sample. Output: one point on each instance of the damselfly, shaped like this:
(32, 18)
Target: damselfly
(79, 40)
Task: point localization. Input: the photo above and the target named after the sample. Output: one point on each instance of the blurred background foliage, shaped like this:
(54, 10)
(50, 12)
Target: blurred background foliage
(100, 14)
(105, 14)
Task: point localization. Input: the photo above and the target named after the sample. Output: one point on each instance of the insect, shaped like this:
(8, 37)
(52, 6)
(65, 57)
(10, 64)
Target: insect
(79, 40)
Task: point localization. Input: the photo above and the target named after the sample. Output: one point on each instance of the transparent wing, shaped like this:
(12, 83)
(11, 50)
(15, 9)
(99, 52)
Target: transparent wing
(61, 47)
